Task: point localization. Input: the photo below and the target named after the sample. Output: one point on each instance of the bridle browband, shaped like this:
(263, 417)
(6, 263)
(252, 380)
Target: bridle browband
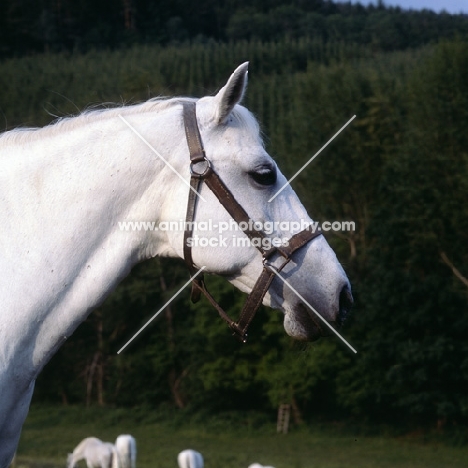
(215, 184)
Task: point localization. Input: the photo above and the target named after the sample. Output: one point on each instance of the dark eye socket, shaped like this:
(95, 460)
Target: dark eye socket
(264, 176)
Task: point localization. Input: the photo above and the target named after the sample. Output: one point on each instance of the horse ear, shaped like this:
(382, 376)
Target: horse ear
(232, 93)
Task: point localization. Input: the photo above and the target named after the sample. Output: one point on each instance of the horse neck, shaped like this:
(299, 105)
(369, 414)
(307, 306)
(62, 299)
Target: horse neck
(62, 202)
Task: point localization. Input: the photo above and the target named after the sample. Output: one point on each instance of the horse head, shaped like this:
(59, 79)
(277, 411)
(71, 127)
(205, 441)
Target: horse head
(234, 148)
(70, 461)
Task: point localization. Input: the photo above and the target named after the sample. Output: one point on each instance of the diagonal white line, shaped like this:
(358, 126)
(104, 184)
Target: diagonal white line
(311, 159)
(140, 136)
(313, 310)
(161, 309)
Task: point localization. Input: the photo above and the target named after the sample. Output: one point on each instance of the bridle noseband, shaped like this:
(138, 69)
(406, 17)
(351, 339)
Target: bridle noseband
(208, 175)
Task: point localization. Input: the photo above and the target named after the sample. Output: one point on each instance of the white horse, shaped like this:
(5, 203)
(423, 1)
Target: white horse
(257, 465)
(65, 191)
(125, 445)
(95, 452)
(190, 459)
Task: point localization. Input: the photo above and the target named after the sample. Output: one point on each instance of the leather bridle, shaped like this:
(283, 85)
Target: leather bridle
(201, 171)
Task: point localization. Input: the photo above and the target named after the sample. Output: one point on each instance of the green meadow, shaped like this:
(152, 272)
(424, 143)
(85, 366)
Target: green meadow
(51, 432)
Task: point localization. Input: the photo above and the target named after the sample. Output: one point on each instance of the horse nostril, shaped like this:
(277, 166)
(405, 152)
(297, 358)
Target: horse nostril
(345, 304)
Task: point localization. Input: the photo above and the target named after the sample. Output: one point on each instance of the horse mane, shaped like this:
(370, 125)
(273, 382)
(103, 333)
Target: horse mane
(26, 134)
(158, 104)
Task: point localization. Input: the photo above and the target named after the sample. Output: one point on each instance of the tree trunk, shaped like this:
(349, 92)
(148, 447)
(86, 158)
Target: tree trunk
(174, 379)
(455, 270)
(129, 17)
(296, 412)
(89, 379)
(100, 362)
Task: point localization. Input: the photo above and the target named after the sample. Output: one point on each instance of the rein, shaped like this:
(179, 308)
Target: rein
(201, 171)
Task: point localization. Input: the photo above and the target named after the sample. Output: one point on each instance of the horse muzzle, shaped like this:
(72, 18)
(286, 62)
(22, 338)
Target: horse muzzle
(307, 324)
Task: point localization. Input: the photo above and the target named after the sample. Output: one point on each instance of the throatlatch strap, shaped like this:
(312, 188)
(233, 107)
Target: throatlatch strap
(201, 287)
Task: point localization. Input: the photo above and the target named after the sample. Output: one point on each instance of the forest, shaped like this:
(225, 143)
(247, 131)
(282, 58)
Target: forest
(30, 26)
(400, 172)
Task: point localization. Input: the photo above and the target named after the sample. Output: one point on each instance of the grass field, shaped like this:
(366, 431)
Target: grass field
(51, 432)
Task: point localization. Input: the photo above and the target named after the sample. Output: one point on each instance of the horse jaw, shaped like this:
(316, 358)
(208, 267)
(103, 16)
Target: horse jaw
(315, 294)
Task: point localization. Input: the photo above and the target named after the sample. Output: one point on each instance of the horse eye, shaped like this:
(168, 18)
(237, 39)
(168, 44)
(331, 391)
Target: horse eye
(264, 176)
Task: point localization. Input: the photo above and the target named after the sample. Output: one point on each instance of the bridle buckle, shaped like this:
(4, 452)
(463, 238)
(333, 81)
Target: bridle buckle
(204, 172)
(237, 333)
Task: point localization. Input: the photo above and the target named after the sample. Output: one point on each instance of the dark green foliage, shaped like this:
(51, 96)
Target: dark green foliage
(414, 358)
(28, 26)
